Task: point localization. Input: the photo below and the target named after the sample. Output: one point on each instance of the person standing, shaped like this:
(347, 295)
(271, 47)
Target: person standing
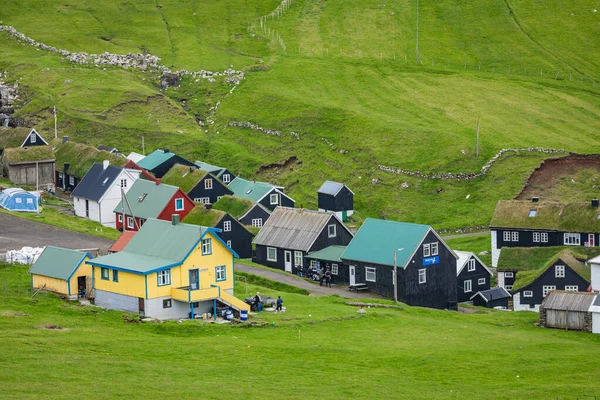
(327, 278)
(279, 304)
(321, 276)
(259, 304)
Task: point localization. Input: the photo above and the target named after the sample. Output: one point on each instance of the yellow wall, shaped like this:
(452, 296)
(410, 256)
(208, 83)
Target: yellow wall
(128, 284)
(52, 284)
(83, 270)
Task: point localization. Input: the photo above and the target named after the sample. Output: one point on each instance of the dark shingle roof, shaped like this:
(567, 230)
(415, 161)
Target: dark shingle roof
(96, 182)
(332, 188)
(492, 294)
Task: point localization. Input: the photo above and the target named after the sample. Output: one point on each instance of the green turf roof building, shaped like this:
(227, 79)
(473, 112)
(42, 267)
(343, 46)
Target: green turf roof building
(221, 173)
(183, 177)
(236, 206)
(146, 199)
(201, 216)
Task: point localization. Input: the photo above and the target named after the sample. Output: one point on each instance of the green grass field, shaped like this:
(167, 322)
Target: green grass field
(318, 348)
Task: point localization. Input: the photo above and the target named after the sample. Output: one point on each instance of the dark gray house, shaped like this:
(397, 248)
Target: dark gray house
(222, 174)
(329, 257)
(160, 161)
(426, 266)
(471, 275)
(336, 197)
(291, 233)
(490, 298)
(266, 194)
(34, 139)
(200, 185)
(256, 216)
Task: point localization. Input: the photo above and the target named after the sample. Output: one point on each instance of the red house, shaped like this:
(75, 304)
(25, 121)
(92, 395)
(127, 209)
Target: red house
(148, 199)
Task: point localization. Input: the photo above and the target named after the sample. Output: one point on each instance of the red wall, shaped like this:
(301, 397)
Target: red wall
(120, 224)
(169, 210)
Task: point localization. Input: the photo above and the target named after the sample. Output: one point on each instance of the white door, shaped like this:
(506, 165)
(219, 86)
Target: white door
(352, 273)
(287, 256)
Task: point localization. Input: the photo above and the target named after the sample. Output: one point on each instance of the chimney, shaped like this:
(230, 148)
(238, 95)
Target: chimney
(535, 199)
(192, 169)
(166, 150)
(158, 181)
(595, 203)
(65, 139)
(66, 167)
(175, 219)
(105, 164)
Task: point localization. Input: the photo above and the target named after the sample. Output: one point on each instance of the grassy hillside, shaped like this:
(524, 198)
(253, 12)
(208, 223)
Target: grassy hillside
(303, 353)
(345, 71)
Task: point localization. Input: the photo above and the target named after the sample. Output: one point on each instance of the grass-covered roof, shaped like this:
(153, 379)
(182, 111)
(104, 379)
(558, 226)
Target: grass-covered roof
(531, 258)
(12, 137)
(203, 217)
(568, 217)
(235, 206)
(28, 154)
(81, 157)
(181, 176)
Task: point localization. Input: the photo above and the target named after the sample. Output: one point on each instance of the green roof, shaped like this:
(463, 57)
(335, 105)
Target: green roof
(13, 137)
(158, 244)
(146, 199)
(567, 217)
(377, 239)
(56, 262)
(180, 175)
(81, 157)
(28, 154)
(331, 253)
(531, 258)
(218, 171)
(201, 216)
(235, 206)
(250, 190)
(155, 159)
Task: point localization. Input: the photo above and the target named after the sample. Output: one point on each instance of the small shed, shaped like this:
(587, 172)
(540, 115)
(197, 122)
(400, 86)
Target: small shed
(63, 271)
(567, 310)
(29, 165)
(16, 199)
(336, 197)
(491, 298)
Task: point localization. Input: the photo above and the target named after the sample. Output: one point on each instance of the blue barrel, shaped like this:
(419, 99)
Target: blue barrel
(244, 315)
(229, 315)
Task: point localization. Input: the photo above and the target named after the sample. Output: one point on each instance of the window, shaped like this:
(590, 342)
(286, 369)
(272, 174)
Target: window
(71, 180)
(104, 273)
(471, 266)
(196, 304)
(206, 246)
(573, 239)
(271, 254)
(226, 178)
(468, 286)
(167, 303)
(298, 258)
(506, 236)
(164, 277)
(334, 269)
(115, 275)
(544, 237)
(142, 222)
(422, 275)
(481, 281)
(179, 205)
(509, 275)
(220, 273)
(430, 249)
(370, 274)
(203, 200)
(274, 198)
(29, 201)
(219, 198)
(208, 184)
(120, 217)
(227, 226)
(18, 200)
(536, 237)
(515, 236)
(527, 293)
(434, 249)
(508, 287)
(559, 271)
(33, 138)
(426, 250)
(313, 263)
(572, 288)
(60, 175)
(532, 213)
(123, 183)
(257, 222)
(331, 231)
(130, 222)
(547, 289)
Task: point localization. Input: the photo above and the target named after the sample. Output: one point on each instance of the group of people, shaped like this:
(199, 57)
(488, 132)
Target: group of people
(324, 275)
(260, 305)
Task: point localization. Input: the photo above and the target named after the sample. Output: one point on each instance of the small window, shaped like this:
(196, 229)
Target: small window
(130, 222)
(123, 183)
(71, 180)
(370, 274)
(227, 226)
(434, 249)
(506, 236)
(508, 287)
(18, 200)
(527, 293)
(220, 273)
(164, 277)
(468, 286)
(515, 236)
(536, 237)
(142, 222)
(544, 237)
(331, 231)
(559, 271)
(257, 222)
(115, 275)
(334, 269)
(60, 176)
(179, 205)
(274, 199)
(29, 201)
(206, 246)
(313, 263)
(422, 276)
(572, 288)
(426, 250)
(104, 273)
(120, 217)
(271, 254)
(226, 178)
(105, 180)
(509, 275)
(481, 281)
(202, 200)
(572, 239)
(532, 213)
(229, 243)
(547, 289)
(298, 258)
(208, 184)
(471, 266)
(33, 137)
(167, 303)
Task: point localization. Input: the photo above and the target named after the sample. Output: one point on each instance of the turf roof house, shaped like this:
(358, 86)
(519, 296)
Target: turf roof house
(233, 233)
(168, 270)
(490, 298)
(200, 185)
(246, 211)
(329, 257)
(101, 190)
(269, 196)
(223, 174)
(146, 199)
(160, 162)
(291, 233)
(20, 137)
(426, 266)
(29, 165)
(562, 272)
(471, 275)
(62, 271)
(520, 223)
(336, 197)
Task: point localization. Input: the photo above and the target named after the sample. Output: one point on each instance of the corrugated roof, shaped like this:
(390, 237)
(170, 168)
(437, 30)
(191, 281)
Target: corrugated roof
(96, 182)
(568, 301)
(135, 157)
(122, 241)
(147, 199)
(329, 187)
(331, 253)
(250, 190)
(377, 239)
(492, 294)
(181, 176)
(56, 262)
(292, 228)
(155, 159)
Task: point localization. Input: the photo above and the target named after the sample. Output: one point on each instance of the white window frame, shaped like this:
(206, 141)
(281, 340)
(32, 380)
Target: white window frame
(559, 271)
(229, 243)
(468, 286)
(514, 236)
(33, 138)
(120, 217)
(202, 200)
(104, 274)
(130, 222)
(220, 273)
(434, 248)
(313, 263)
(572, 288)
(71, 180)
(227, 226)
(276, 197)
(334, 269)
(271, 257)
(422, 275)
(509, 275)
(506, 236)
(163, 278)
(572, 239)
(177, 208)
(206, 246)
(208, 184)
(481, 281)
(226, 178)
(426, 250)
(123, 183)
(298, 259)
(536, 237)
(527, 293)
(167, 303)
(370, 274)
(257, 222)
(547, 289)
(544, 237)
(331, 233)
(508, 287)
(471, 265)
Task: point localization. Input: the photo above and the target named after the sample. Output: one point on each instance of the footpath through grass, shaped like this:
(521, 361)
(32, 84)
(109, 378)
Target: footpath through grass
(319, 348)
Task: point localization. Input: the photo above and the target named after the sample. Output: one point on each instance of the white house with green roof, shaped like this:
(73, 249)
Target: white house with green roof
(266, 194)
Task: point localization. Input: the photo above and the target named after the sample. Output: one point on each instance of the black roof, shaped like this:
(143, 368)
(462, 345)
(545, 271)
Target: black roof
(96, 182)
(492, 294)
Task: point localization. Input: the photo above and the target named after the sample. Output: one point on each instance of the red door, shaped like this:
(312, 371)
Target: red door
(591, 240)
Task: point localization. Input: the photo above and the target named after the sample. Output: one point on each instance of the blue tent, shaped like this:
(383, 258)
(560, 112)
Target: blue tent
(15, 199)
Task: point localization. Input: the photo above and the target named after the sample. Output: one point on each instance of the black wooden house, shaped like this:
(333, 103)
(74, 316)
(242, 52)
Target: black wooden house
(426, 266)
(160, 161)
(34, 139)
(256, 216)
(329, 257)
(268, 195)
(200, 185)
(221, 173)
(491, 298)
(471, 275)
(291, 233)
(336, 197)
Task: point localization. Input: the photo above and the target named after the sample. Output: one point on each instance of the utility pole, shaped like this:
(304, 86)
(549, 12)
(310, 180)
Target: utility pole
(417, 45)
(37, 188)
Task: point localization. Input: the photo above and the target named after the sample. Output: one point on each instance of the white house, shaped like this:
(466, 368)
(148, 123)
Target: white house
(595, 307)
(100, 190)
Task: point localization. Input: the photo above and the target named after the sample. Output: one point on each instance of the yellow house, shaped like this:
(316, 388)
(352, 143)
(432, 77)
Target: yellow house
(169, 270)
(62, 271)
